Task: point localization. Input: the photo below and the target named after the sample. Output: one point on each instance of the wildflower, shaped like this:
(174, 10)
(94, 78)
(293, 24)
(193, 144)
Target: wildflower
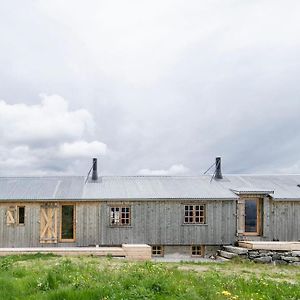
(226, 293)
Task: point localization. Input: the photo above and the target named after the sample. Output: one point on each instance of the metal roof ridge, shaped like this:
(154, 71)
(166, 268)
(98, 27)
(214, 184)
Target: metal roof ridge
(47, 176)
(265, 174)
(145, 176)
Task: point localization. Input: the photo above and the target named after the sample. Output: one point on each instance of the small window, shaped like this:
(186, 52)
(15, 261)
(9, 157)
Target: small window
(120, 216)
(67, 222)
(197, 250)
(21, 215)
(157, 250)
(195, 214)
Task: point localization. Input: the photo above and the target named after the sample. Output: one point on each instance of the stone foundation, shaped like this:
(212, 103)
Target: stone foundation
(276, 257)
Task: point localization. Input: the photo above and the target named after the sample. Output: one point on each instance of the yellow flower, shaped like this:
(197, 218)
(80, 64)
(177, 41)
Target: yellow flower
(226, 293)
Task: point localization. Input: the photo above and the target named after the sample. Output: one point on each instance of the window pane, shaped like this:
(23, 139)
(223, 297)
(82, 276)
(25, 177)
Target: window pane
(21, 215)
(67, 219)
(120, 216)
(251, 216)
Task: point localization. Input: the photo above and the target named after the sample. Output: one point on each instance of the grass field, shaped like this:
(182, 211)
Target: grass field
(53, 277)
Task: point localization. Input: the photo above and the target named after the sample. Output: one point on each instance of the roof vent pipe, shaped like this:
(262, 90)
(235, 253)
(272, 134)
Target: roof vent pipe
(218, 173)
(95, 173)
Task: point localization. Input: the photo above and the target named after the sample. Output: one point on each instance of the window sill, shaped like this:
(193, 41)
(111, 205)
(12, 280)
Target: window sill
(120, 226)
(67, 241)
(251, 233)
(193, 224)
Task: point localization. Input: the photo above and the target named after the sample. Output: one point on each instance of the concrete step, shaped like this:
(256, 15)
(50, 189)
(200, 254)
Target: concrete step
(237, 250)
(226, 254)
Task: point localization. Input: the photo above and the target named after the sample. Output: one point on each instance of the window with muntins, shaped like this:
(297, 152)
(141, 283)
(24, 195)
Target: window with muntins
(120, 216)
(197, 250)
(195, 214)
(157, 250)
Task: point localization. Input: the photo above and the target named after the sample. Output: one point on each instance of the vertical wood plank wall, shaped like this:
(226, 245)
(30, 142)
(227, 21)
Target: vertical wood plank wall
(152, 222)
(285, 223)
(155, 222)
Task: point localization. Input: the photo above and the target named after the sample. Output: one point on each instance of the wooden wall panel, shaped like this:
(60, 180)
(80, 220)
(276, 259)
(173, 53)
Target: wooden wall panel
(285, 220)
(152, 222)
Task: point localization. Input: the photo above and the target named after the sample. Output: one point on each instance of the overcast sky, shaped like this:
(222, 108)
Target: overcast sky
(149, 87)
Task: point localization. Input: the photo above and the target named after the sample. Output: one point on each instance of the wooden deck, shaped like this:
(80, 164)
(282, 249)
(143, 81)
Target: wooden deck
(97, 251)
(129, 251)
(265, 245)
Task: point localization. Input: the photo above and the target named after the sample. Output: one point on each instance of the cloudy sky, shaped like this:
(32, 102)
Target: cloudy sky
(149, 87)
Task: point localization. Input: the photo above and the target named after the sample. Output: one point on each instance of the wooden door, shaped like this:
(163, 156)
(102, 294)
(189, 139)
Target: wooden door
(48, 223)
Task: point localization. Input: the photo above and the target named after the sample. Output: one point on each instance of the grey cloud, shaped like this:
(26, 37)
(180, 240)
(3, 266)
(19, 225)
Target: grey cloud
(165, 83)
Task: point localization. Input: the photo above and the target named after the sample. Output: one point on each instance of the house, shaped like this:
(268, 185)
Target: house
(191, 215)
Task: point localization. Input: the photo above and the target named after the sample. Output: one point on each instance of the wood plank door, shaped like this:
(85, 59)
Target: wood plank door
(48, 223)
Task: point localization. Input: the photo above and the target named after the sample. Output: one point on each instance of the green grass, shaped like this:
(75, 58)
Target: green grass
(57, 278)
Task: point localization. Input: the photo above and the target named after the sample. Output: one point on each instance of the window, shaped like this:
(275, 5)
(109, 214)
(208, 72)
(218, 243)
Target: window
(15, 215)
(120, 216)
(197, 250)
(67, 222)
(252, 216)
(194, 214)
(157, 250)
(21, 215)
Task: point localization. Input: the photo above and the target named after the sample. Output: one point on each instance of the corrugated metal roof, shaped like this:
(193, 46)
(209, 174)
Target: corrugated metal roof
(147, 187)
(153, 187)
(34, 188)
(283, 186)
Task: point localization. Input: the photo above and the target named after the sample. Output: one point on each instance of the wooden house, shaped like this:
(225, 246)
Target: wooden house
(189, 215)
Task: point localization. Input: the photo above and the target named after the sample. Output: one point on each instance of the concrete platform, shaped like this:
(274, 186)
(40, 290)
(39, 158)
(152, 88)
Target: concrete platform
(275, 246)
(129, 251)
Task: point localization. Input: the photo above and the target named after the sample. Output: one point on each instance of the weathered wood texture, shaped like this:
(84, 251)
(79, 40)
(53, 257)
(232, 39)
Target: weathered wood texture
(155, 223)
(285, 220)
(280, 221)
(152, 222)
(161, 223)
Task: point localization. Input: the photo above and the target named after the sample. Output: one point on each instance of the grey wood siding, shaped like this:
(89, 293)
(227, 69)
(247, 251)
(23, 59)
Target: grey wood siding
(20, 235)
(161, 222)
(152, 222)
(285, 224)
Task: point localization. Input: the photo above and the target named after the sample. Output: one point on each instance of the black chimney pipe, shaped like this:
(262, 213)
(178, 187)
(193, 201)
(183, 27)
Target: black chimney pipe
(218, 174)
(95, 173)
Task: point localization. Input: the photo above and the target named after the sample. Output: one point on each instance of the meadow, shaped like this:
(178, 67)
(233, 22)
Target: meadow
(53, 277)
